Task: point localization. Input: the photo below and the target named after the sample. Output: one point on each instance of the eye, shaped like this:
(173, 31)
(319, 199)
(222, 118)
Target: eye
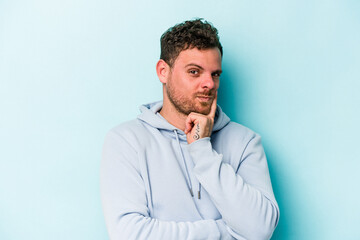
(216, 75)
(194, 71)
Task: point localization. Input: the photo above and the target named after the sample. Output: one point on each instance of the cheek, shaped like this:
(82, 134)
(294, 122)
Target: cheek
(217, 84)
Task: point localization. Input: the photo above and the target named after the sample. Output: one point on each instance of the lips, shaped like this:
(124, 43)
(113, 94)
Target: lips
(205, 98)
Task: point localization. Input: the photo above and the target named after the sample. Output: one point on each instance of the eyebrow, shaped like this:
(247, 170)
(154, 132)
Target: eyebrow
(198, 66)
(195, 65)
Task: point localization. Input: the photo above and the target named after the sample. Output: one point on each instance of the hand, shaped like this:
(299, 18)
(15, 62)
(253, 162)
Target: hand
(198, 125)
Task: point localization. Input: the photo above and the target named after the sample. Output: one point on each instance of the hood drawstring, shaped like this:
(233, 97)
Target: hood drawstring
(150, 115)
(186, 169)
(199, 195)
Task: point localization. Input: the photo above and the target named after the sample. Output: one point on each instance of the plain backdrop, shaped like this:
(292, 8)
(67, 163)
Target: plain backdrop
(72, 69)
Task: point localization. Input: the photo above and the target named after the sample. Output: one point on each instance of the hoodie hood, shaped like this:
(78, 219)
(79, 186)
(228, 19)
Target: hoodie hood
(149, 115)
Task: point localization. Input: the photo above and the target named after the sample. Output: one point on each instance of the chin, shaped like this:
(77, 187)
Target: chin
(203, 110)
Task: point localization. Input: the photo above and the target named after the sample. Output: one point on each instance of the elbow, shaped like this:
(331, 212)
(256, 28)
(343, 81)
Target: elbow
(128, 226)
(259, 226)
(266, 223)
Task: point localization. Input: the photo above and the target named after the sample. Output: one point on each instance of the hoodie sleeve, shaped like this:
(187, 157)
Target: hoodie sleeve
(124, 200)
(243, 196)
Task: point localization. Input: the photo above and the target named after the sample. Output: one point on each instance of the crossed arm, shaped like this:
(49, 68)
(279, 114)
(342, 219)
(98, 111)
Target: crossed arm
(125, 203)
(243, 196)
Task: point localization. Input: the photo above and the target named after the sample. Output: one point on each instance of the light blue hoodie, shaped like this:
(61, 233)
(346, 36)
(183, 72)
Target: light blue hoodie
(154, 185)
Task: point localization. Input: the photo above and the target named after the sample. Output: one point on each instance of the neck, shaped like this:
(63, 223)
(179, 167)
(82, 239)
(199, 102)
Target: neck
(173, 116)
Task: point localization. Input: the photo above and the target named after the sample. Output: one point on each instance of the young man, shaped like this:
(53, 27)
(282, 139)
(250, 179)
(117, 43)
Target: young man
(182, 169)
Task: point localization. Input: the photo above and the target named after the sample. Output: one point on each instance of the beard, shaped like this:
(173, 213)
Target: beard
(187, 104)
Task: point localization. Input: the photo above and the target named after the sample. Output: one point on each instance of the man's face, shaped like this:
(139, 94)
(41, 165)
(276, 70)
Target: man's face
(194, 80)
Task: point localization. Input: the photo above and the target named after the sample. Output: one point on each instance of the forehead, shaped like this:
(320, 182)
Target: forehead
(206, 58)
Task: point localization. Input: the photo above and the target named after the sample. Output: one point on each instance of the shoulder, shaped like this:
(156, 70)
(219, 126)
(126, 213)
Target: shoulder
(126, 133)
(233, 140)
(234, 134)
(237, 132)
(127, 128)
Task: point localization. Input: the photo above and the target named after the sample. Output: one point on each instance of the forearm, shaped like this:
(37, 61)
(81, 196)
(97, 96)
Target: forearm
(245, 208)
(125, 204)
(224, 231)
(136, 226)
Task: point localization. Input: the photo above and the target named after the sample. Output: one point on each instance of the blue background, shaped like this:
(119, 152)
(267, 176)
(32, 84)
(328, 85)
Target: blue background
(72, 69)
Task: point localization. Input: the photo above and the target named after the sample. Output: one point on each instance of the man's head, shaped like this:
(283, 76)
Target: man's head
(187, 35)
(190, 67)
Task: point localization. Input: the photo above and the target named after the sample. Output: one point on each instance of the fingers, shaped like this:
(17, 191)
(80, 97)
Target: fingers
(191, 120)
(192, 117)
(189, 123)
(213, 107)
(188, 126)
(198, 126)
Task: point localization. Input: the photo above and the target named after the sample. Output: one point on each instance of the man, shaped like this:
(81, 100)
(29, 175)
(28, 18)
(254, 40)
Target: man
(182, 169)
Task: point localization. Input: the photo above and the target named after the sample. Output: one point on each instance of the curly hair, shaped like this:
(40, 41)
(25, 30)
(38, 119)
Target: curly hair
(196, 33)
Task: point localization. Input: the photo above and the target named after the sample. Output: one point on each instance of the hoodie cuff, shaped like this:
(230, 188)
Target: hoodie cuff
(201, 151)
(224, 233)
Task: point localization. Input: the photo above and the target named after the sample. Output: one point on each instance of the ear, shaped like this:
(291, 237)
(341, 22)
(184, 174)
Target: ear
(162, 70)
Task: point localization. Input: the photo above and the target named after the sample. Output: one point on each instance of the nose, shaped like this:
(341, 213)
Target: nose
(208, 82)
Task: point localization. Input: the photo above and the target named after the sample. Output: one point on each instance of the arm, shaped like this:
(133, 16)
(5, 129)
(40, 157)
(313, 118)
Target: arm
(244, 197)
(124, 200)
